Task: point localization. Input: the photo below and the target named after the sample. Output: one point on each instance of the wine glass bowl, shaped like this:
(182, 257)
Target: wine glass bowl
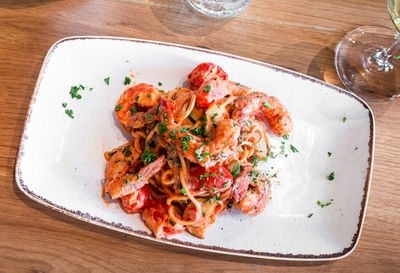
(366, 60)
(220, 8)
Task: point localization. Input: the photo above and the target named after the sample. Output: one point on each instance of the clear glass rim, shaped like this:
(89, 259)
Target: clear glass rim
(221, 15)
(336, 63)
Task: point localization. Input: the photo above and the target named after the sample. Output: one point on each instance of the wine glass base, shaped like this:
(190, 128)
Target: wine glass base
(359, 68)
(220, 9)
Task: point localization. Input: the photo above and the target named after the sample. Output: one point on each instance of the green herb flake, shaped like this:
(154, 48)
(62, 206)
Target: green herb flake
(214, 116)
(207, 89)
(107, 80)
(126, 181)
(148, 156)
(108, 194)
(235, 169)
(171, 222)
(74, 92)
(69, 112)
(310, 215)
(149, 116)
(118, 107)
(203, 212)
(344, 119)
(159, 83)
(138, 176)
(329, 154)
(127, 80)
(356, 148)
(133, 110)
(331, 176)
(266, 104)
(184, 192)
(91, 88)
(127, 151)
(286, 137)
(64, 104)
(294, 150)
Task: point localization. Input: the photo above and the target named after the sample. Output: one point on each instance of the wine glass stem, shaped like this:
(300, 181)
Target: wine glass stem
(383, 57)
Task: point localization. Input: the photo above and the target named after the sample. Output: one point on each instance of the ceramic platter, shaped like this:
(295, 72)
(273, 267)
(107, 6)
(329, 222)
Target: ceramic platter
(61, 164)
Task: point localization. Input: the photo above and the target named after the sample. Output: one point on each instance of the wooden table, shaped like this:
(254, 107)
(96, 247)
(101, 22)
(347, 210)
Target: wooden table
(299, 35)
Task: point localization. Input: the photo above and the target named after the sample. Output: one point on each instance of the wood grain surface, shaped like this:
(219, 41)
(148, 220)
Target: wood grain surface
(299, 35)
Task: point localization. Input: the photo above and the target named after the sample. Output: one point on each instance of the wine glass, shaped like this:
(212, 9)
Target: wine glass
(367, 60)
(220, 8)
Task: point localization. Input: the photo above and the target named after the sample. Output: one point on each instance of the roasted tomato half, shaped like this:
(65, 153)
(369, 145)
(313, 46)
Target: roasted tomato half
(213, 179)
(135, 201)
(155, 215)
(203, 73)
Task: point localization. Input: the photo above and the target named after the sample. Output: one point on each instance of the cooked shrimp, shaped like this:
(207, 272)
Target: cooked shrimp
(120, 160)
(266, 108)
(257, 194)
(216, 89)
(222, 145)
(130, 183)
(136, 106)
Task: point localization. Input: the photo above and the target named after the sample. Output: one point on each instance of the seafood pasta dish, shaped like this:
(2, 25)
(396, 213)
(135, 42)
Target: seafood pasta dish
(194, 151)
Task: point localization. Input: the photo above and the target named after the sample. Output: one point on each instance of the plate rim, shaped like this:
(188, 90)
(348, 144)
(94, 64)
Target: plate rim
(86, 217)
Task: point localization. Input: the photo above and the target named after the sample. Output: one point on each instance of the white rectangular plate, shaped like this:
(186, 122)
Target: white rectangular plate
(61, 165)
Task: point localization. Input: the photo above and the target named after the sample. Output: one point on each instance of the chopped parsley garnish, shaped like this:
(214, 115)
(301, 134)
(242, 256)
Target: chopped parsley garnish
(82, 87)
(109, 195)
(171, 222)
(207, 89)
(118, 107)
(294, 150)
(206, 175)
(133, 110)
(235, 169)
(74, 92)
(286, 137)
(356, 148)
(127, 80)
(266, 104)
(127, 151)
(344, 119)
(203, 212)
(159, 83)
(310, 215)
(226, 184)
(205, 154)
(64, 104)
(148, 156)
(184, 192)
(162, 128)
(329, 154)
(149, 96)
(172, 134)
(255, 161)
(331, 176)
(107, 80)
(149, 116)
(226, 143)
(91, 88)
(324, 205)
(138, 176)
(214, 116)
(136, 98)
(69, 112)
(126, 181)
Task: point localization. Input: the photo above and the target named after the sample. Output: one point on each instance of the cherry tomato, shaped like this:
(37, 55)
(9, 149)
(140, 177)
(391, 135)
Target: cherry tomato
(205, 72)
(155, 215)
(135, 201)
(213, 179)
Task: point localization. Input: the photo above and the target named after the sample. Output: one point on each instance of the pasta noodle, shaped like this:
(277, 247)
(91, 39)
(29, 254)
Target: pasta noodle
(194, 151)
